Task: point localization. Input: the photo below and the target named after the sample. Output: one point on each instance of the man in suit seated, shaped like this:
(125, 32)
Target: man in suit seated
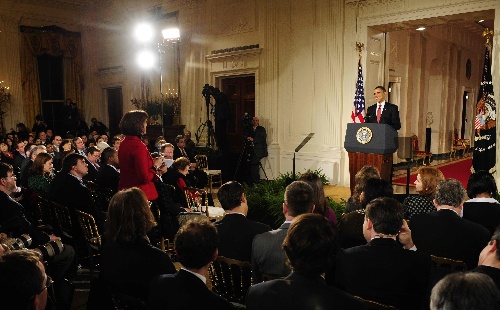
(68, 189)
(196, 248)
(444, 233)
(93, 157)
(236, 232)
(383, 270)
(383, 112)
(489, 259)
(14, 221)
(108, 176)
(310, 247)
(267, 255)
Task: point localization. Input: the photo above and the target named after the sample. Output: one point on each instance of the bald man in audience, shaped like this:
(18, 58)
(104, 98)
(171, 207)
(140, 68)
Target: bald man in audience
(267, 255)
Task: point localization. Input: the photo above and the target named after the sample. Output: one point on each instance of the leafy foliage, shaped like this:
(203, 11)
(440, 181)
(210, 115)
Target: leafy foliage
(265, 199)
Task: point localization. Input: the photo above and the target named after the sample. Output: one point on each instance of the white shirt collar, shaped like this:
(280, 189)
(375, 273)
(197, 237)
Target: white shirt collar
(202, 278)
(382, 105)
(113, 167)
(483, 199)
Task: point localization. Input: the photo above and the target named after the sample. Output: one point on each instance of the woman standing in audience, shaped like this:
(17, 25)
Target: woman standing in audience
(129, 261)
(176, 176)
(320, 201)
(41, 175)
(425, 185)
(482, 207)
(366, 173)
(137, 167)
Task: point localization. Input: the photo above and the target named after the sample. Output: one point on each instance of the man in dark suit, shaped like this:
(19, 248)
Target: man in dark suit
(181, 151)
(93, 157)
(310, 245)
(68, 188)
(108, 176)
(383, 112)
(489, 259)
(444, 233)
(382, 270)
(236, 232)
(196, 248)
(267, 255)
(258, 148)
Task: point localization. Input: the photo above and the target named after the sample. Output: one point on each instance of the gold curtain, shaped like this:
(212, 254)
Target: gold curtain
(53, 41)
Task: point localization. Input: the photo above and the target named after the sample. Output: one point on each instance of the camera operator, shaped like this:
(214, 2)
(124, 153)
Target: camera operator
(257, 136)
(14, 222)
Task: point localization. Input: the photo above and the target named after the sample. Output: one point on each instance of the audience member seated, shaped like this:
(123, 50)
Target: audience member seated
(236, 232)
(66, 145)
(19, 157)
(35, 150)
(176, 176)
(366, 173)
(167, 149)
(321, 204)
(268, 256)
(79, 146)
(6, 156)
(129, 261)
(444, 233)
(489, 259)
(383, 270)
(351, 224)
(190, 145)
(196, 248)
(69, 190)
(41, 174)
(482, 208)
(93, 156)
(465, 291)
(310, 246)
(109, 176)
(425, 185)
(15, 222)
(180, 150)
(23, 281)
(97, 126)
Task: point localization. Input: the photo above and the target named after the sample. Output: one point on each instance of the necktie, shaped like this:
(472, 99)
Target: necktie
(379, 113)
(184, 153)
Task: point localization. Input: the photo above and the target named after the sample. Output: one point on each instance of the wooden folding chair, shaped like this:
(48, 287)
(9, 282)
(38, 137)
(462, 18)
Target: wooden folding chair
(92, 237)
(231, 278)
(214, 176)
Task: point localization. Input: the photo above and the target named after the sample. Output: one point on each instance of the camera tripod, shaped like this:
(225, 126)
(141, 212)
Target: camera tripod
(210, 133)
(245, 152)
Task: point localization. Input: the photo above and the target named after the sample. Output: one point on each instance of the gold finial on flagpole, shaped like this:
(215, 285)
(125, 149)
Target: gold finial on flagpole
(360, 47)
(487, 33)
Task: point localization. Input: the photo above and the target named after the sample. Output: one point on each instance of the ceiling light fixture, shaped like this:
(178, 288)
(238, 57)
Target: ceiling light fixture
(481, 20)
(421, 28)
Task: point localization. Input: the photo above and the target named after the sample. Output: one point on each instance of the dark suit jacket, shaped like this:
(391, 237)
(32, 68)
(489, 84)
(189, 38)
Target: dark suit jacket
(129, 268)
(236, 234)
(385, 272)
(190, 155)
(493, 272)
(443, 233)
(108, 177)
(299, 292)
(93, 172)
(259, 136)
(484, 213)
(390, 115)
(13, 221)
(183, 290)
(25, 172)
(267, 254)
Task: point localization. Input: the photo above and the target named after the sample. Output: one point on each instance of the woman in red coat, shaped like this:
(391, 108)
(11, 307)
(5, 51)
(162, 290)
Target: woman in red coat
(137, 167)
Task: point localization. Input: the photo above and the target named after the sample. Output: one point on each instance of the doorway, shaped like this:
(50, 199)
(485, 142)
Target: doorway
(240, 92)
(115, 109)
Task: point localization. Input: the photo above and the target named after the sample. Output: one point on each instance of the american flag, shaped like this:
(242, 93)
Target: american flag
(358, 112)
(477, 123)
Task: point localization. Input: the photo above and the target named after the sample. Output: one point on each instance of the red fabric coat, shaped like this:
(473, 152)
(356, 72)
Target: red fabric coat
(136, 167)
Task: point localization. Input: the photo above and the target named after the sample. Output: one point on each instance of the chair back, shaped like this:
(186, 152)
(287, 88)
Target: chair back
(231, 278)
(374, 305)
(89, 229)
(100, 195)
(448, 263)
(201, 161)
(415, 143)
(63, 221)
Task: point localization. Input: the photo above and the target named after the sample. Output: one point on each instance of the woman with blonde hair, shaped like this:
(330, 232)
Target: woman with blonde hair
(425, 185)
(129, 260)
(366, 173)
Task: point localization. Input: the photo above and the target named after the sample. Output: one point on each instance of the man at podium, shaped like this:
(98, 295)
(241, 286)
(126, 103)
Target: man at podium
(383, 112)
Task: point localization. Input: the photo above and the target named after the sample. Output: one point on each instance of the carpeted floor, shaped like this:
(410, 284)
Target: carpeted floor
(458, 169)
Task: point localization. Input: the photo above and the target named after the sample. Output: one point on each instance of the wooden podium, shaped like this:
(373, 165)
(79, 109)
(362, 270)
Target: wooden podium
(370, 144)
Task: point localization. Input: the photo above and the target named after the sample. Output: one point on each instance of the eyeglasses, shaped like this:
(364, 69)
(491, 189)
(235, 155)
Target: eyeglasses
(48, 284)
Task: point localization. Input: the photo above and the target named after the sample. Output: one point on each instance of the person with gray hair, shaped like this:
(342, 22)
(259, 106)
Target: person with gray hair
(444, 232)
(465, 291)
(489, 259)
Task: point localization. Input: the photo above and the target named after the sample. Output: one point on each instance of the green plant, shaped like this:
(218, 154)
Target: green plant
(265, 199)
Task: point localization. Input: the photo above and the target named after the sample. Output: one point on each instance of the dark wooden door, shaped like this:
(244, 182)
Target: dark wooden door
(240, 92)
(115, 109)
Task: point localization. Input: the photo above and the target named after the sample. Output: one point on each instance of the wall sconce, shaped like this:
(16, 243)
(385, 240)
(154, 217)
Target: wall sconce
(4, 93)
